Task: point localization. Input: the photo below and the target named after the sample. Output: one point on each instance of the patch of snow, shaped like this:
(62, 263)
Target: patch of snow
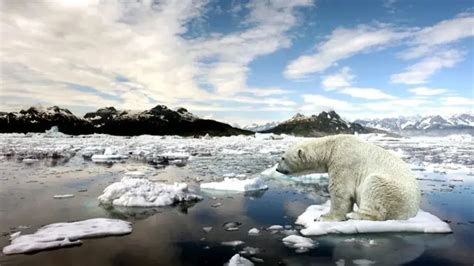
(237, 260)
(66, 234)
(141, 192)
(235, 184)
(423, 222)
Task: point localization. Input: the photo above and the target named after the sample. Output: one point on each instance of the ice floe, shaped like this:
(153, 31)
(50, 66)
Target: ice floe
(235, 184)
(238, 260)
(141, 192)
(63, 196)
(65, 234)
(110, 155)
(233, 243)
(299, 243)
(423, 222)
(254, 232)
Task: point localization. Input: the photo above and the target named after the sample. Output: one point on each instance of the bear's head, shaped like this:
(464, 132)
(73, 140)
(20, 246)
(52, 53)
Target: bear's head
(300, 159)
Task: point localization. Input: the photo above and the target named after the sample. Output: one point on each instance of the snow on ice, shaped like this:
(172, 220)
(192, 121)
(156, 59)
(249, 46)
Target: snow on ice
(65, 234)
(133, 191)
(423, 222)
(235, 184)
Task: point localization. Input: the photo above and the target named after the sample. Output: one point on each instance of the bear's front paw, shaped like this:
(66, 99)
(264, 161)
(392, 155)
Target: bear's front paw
(330, 217)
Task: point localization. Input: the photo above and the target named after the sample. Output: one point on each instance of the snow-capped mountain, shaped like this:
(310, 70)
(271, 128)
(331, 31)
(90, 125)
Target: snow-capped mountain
(159, 120)
(325, 123)
(427, 125)
(260, 127)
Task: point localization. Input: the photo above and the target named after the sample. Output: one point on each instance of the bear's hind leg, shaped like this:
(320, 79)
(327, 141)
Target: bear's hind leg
(376, 197)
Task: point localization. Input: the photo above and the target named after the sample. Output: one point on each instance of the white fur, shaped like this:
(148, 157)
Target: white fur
(379, 182)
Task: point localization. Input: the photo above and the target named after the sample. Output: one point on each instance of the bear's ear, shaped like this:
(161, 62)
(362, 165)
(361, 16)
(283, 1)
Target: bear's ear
(301, 154)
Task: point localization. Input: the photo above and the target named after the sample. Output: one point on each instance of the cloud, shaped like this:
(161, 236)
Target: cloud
(343, 43)
(341, 82)
(456, 100)
(425, 91)
(421, 71)
(366, 93)
(50, 44)
(445, 32)
(342, 79)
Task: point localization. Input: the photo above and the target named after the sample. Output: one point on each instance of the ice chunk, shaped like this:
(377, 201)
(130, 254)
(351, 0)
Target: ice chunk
(237, 260)
(235, 184)
(141, 192)
(110, 155)
(363, 262)
(300, 243)
(423, 222)
(271, 173)
(254, 232)
(66, 234)
(275, 228)
(233, 243)
(64, 196)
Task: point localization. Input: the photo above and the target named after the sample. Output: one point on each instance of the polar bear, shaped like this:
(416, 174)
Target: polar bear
(380, 183)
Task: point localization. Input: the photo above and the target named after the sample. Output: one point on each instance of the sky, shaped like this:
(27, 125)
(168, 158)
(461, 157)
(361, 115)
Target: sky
(241, 62)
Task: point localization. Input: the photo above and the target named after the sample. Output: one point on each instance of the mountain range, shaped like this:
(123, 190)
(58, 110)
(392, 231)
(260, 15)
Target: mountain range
(435, 125)
(157, 121)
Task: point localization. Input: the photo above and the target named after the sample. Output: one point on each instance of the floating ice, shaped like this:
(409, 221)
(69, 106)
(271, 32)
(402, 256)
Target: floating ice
(233, 243)
(271, 173)
(275, 227)
(110, 155)
(65, 234)
(64, 196)
(237, 260)
(300, 243)
(235, 184)
(141, 192)
(254, 232)
(423, 222)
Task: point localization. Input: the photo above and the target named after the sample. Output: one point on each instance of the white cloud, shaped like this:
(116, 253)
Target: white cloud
(425, 91)
(342, 79)
(366, 93)
(421, 71)
(457, 100)
(445, 32)
(52, 44)
(341, 44)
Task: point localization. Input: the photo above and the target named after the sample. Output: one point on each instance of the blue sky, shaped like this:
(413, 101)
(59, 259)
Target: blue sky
(240, 61)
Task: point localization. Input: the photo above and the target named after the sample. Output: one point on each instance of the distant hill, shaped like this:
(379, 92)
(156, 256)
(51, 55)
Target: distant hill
(323, 124)
(157, 121)
(424, 125)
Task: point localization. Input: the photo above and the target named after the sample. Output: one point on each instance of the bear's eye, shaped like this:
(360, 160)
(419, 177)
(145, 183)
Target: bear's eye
(282, 158)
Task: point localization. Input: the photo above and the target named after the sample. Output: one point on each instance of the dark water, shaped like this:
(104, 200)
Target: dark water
(174, 235)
